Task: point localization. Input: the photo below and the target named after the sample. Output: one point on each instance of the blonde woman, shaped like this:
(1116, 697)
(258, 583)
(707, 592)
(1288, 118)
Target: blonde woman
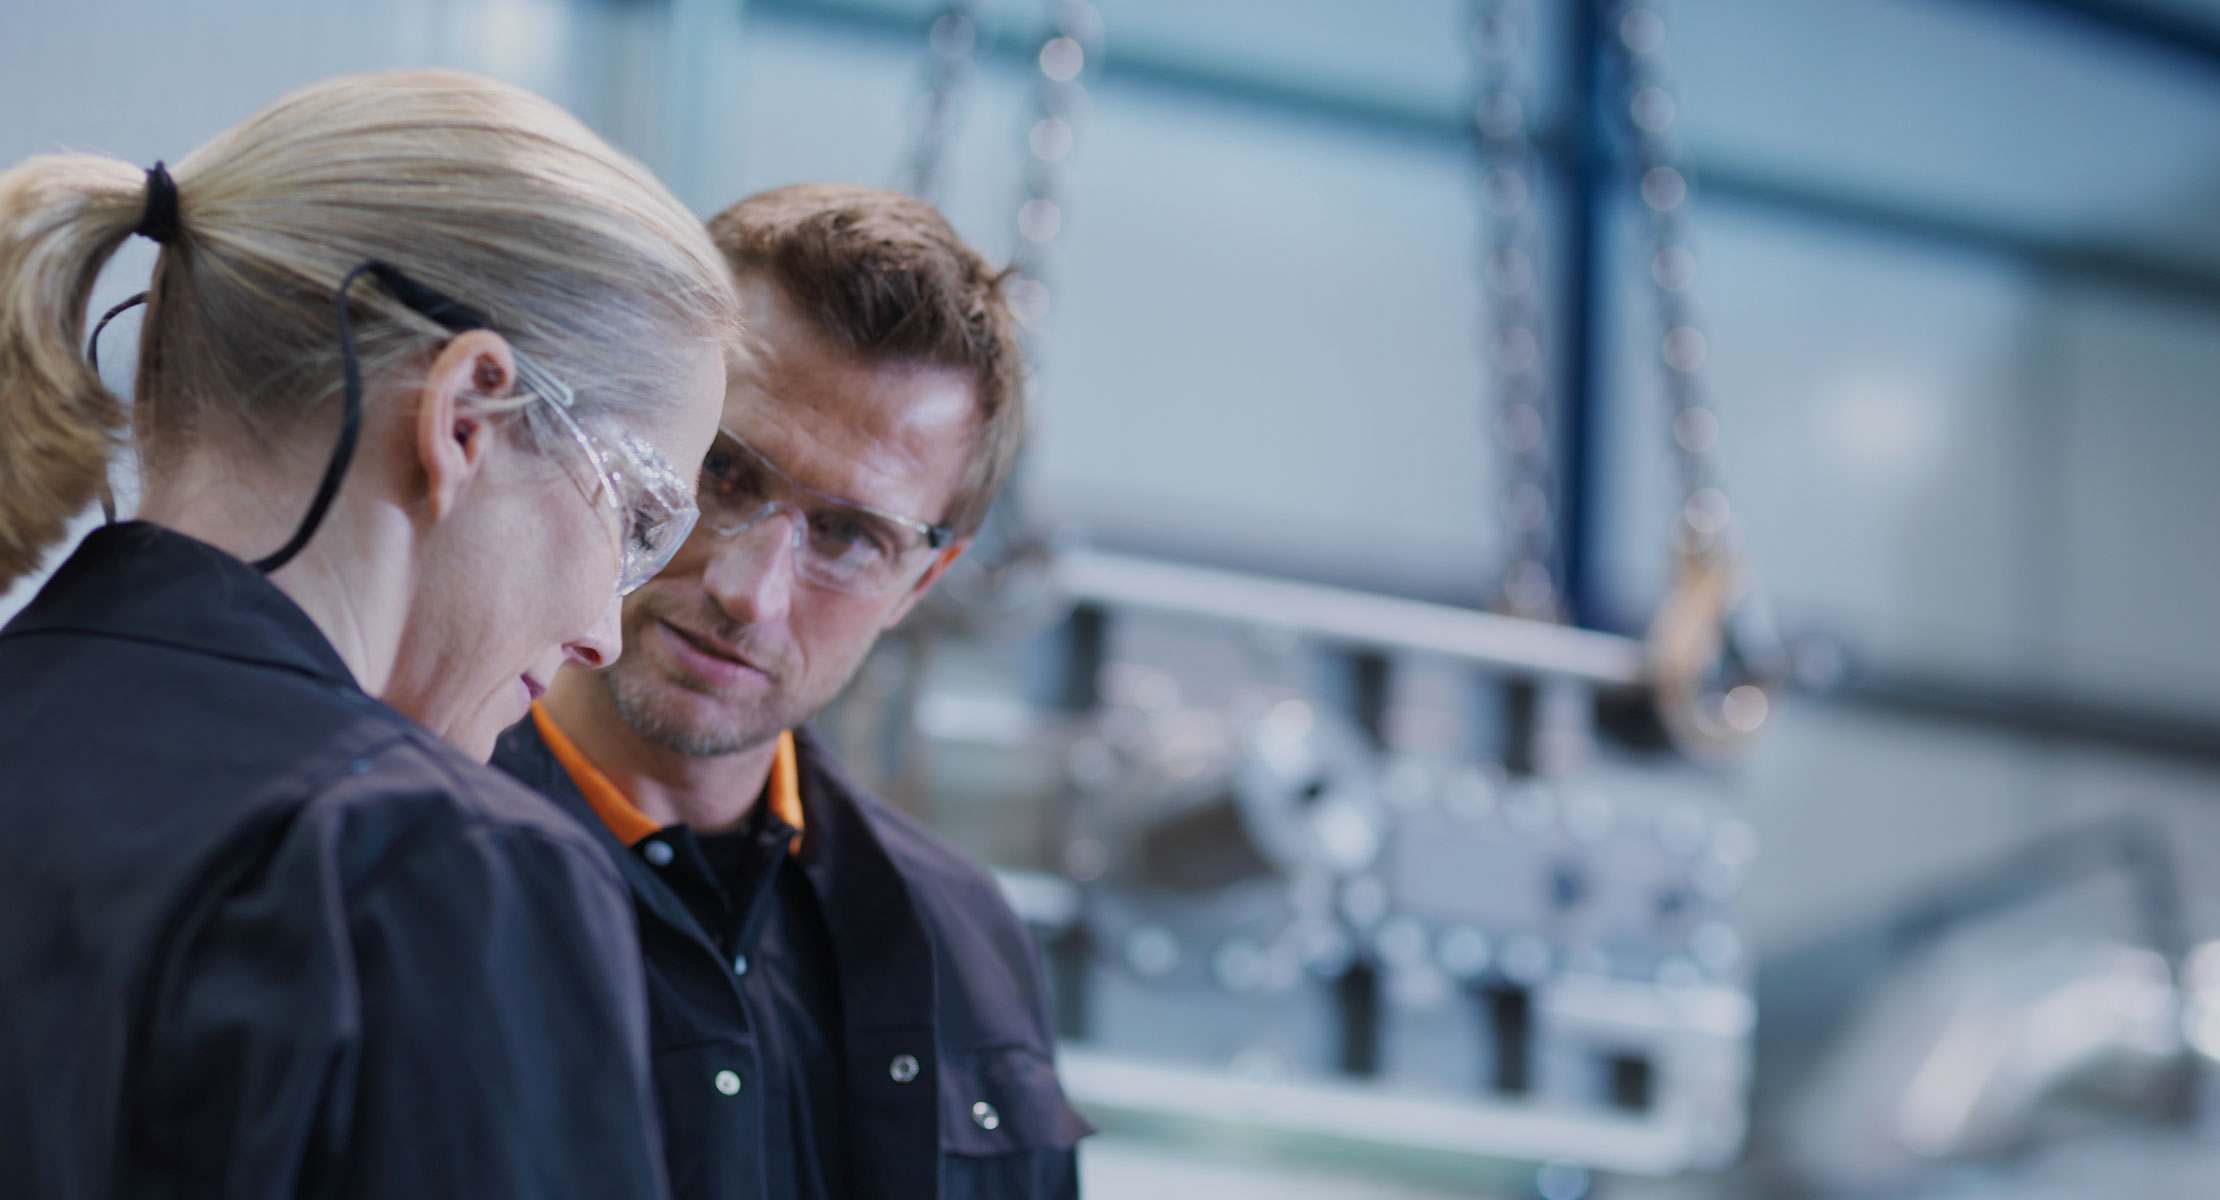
(424, 373)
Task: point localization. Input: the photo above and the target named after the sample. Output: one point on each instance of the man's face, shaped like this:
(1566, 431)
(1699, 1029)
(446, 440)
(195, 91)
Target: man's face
(729, 646)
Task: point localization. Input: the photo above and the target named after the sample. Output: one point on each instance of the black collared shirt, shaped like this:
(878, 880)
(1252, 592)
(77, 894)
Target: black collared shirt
(754, 904)
(263, 936)
(931, 1071)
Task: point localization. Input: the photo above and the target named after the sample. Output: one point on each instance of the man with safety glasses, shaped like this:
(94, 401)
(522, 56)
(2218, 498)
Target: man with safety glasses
(839, 1005)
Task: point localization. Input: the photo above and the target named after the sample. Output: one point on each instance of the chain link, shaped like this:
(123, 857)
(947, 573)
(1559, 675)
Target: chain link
(1715, 653)
(1072, 43)
(1069, 46)
(1004, 586)
(948, 65)
(1650, 109)
(1500, 35)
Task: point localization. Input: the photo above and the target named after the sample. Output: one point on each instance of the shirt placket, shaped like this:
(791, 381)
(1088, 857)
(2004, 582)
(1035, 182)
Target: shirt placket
(678, 858)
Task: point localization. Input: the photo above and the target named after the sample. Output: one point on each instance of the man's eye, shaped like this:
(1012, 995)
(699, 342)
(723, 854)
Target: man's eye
(730, 474)
(719, 467)
(843, 535)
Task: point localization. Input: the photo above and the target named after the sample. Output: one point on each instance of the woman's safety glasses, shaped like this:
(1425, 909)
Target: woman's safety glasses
(652, 505)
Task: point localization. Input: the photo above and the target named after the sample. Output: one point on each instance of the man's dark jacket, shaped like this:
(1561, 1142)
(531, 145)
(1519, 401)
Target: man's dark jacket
(949, 1083)
(263, 936)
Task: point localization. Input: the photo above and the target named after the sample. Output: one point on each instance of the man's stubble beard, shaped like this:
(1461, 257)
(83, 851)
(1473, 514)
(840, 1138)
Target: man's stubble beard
(643, 703)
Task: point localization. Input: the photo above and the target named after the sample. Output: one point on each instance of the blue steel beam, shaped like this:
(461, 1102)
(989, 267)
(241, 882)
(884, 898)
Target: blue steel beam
(1591, 187)
(1723, 182)
(2140, 26)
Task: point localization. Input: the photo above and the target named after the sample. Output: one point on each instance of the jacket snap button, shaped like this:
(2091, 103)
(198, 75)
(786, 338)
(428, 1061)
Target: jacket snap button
(658, 854)
(903, 1069)
(984, 1116)
(728, 1082)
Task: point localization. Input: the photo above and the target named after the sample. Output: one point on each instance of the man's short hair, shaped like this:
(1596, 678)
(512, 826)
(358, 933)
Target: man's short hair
(884, 275)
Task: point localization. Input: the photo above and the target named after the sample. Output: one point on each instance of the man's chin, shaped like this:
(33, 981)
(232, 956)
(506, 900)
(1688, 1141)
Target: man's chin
(678, 719)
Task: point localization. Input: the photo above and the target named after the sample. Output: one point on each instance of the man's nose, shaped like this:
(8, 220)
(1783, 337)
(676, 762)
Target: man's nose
(751, 574)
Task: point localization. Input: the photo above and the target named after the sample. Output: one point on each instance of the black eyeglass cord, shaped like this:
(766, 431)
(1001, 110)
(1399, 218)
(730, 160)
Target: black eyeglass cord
(447, 312)
(350, 432)
(92, 358)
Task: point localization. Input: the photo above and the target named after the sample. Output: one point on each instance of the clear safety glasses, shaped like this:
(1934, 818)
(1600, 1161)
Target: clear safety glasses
(651, 504)
(838, 544)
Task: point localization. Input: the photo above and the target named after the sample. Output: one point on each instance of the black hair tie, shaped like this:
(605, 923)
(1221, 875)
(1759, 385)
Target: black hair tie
(159, 222)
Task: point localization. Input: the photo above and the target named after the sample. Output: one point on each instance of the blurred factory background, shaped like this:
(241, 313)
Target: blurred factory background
(1358, 874)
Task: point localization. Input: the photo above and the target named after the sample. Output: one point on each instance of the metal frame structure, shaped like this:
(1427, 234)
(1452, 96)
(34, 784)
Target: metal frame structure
(1578, 149)
(1514, 646)
(1725, 180)
(1686, 1031)
(2137, 23)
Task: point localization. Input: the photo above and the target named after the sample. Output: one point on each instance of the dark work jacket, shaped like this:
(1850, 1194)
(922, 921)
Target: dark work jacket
(933, 966)
(263, 936)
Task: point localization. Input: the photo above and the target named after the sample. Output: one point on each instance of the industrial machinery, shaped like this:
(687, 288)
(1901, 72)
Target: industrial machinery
(1408, 901)
(1349, 870)
(1330, 865)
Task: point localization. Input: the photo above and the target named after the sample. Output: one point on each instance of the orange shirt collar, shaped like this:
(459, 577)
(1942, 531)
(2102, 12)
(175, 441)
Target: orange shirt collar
(629, 824)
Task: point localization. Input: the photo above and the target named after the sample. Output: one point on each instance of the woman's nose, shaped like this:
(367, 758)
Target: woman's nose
(604, 642)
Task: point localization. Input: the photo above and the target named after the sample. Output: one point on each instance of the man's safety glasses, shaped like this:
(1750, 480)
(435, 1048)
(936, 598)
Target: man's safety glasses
(838, 544)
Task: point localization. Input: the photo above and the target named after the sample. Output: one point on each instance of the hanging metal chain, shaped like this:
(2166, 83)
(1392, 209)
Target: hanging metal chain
(1071, 44)
(1005, 586)
(1651, 111)
(948, 65)
(1715, 658)
(1500, 36)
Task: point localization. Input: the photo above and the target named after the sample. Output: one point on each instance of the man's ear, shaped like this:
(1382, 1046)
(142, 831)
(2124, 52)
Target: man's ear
(944, 560)
(453, 434)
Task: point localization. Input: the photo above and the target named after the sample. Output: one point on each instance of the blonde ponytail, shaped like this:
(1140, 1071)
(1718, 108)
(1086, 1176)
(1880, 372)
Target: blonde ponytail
(481, 191)
(61, 217)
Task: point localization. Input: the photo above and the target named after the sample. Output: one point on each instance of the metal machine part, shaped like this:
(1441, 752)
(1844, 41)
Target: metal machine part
(1516, 955)
(1249, 889)
(1970, 1055)
(1254, 895)
(1241, 877)
(1339, 616)
(2041, 1007)
(1519, 957)
(1188, 799)
(1696, 1120)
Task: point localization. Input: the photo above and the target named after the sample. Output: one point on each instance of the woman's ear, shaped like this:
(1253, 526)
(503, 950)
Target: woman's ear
(453, 434)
